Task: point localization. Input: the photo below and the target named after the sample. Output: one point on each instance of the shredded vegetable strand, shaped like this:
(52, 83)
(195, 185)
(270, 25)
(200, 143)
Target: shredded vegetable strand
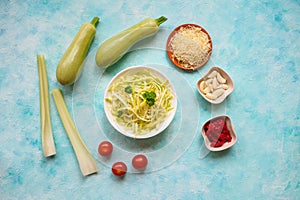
(48, 145)
(129, 106)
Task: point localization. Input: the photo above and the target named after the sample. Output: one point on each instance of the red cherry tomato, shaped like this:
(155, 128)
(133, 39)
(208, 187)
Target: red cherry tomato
(105, 148)
(119, 169)
(139, 162)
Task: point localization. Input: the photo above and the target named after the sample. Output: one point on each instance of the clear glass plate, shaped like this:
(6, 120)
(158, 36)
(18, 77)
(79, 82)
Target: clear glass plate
(161, 150)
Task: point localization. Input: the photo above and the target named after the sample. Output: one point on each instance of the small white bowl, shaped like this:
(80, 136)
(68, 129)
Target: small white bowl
(226, 145)
(162, 126)
(227, 92)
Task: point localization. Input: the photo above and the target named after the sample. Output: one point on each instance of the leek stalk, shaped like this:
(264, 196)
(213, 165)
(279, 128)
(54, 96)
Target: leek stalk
(47, 136)
(86, 162)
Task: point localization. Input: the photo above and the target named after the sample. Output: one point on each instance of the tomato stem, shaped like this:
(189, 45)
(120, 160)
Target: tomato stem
(160, 20)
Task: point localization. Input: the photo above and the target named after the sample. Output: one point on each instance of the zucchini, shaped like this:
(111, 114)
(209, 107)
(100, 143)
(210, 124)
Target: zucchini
(111, 50)
(70, 65)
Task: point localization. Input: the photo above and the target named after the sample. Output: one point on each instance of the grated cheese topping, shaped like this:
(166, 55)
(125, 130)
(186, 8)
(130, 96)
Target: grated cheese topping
(190, 46)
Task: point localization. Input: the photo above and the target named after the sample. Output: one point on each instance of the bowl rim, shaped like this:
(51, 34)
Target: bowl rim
(232, 134)
(170, 52)
(163, 126)
(226, 93)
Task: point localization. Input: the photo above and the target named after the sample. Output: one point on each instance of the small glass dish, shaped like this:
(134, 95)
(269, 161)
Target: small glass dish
(212, 130)
(224, 75)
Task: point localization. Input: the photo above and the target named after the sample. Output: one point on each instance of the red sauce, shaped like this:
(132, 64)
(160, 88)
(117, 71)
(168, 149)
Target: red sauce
(217, 132)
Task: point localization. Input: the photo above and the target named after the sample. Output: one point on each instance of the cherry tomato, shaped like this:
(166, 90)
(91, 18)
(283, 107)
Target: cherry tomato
(119, 169)
(105, 148)
(139, 162)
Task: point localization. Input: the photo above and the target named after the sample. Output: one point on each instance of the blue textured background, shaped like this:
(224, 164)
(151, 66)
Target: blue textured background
(257, 42)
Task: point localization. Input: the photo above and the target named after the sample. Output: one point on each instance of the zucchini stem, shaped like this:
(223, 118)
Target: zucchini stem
(160, 20)
(95, 21)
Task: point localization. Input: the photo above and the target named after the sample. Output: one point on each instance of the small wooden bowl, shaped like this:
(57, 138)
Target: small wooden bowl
(227, 92)
(170, 50)
(226, 145)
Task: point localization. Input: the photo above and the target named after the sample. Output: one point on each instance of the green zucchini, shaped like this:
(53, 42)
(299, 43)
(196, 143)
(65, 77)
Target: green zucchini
(70, 65)
(111, 50)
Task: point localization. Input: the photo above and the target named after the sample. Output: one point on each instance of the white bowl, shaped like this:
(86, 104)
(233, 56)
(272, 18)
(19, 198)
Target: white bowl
(232, 133)
(227, 92)
(129, 132)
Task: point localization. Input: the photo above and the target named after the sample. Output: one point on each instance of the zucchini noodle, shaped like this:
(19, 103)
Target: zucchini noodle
(129, 106)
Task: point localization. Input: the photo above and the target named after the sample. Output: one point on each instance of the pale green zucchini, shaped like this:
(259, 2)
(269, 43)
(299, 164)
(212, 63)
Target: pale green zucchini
(111, 50)
(70, 65)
